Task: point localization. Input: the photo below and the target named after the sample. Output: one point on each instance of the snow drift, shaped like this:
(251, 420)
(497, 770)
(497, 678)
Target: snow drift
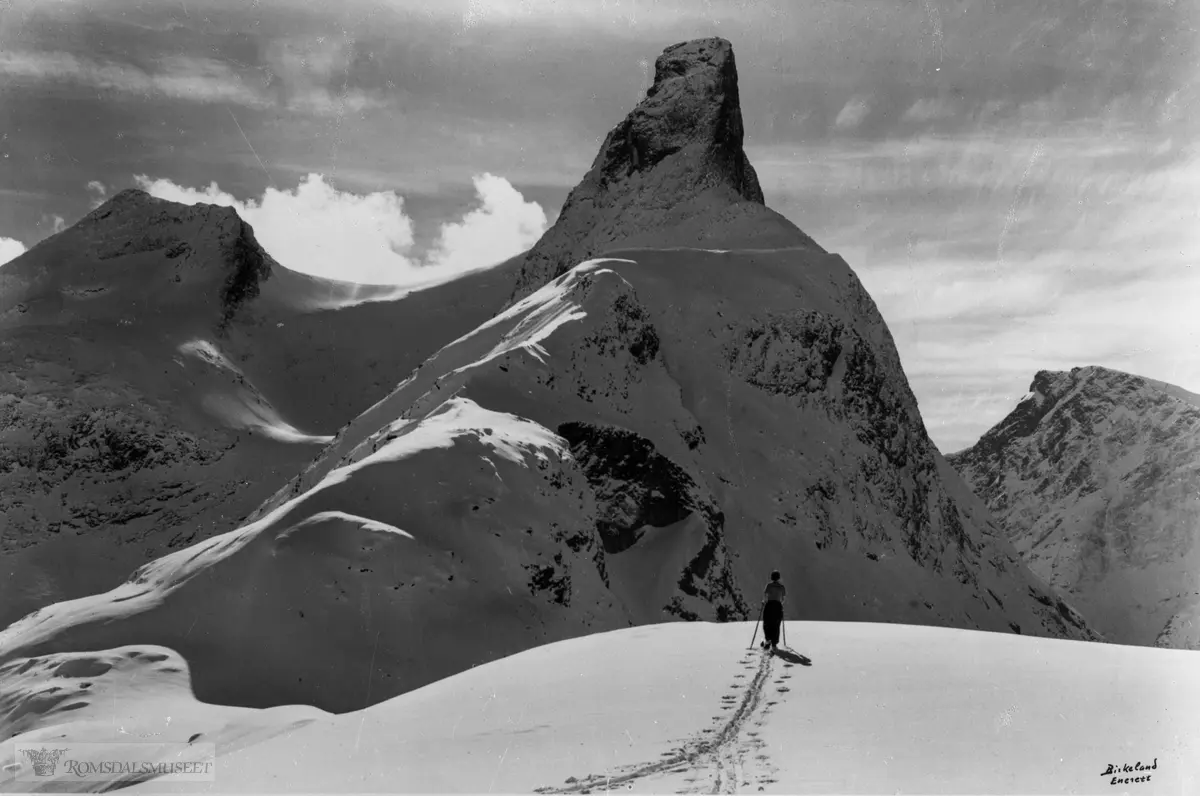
(687, 708)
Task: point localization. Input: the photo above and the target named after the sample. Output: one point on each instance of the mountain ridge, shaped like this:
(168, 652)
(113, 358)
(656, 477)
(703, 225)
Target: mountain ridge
(161, 375)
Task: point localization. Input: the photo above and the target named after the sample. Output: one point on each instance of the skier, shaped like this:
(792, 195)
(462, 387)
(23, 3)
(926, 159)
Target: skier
(772, 611)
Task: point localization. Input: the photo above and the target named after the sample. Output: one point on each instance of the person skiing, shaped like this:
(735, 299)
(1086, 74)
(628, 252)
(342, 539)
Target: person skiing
(772, 611)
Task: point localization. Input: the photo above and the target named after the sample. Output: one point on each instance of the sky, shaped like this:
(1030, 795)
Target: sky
(1014, 181)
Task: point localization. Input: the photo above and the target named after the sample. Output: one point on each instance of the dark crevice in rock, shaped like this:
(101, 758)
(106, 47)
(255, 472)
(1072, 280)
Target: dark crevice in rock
(634, 484)
(248, 267)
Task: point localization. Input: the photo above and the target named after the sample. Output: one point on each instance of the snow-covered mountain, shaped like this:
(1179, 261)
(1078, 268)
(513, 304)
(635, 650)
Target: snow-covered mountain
(854, 708)
(161, 375)
(639, 438)
(1095, 476)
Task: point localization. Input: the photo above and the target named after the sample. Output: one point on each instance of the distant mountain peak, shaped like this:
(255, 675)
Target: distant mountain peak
(672, 172)
(1055, 385)
(136, 250)
(134, 206)
(134, 195)
(1093, 476)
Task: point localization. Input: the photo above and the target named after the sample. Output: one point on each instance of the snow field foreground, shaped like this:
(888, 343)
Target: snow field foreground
(689, 707)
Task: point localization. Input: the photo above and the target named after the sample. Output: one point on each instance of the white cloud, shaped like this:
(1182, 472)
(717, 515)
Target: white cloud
(928, 109)
(503, 225)
(852, 114)
(99, 191)
(307, 67)
(593, 13)
(992, 256)
(194, 79)
(302, 72)
(368, 238)
(10, 249)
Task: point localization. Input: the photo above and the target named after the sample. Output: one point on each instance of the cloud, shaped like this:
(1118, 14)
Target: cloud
(57, 223)
(504, 222)
(929, 109)
(852, 114)
(10, 249)
(996, 254)
(592, 14)
(195, 79)
(314, 75)
(99, 193)
(368, 238)
(298, 78)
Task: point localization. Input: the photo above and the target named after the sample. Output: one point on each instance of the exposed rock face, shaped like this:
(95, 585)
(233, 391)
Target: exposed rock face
(635, 486)
(1095, 476)
(1182, 631)
(636, 489)
(672, 171)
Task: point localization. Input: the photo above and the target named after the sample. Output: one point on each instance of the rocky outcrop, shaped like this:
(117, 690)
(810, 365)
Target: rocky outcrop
(1095, 476)
(1182, 631)
(674, 169)
(636, 490)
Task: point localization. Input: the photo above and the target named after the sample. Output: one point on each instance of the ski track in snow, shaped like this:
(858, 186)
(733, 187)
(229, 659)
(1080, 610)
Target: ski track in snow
(718, 757)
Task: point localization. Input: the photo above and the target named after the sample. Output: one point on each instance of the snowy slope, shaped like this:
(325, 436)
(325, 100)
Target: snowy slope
(161, 375)
(688, 707)
(593, 457)
(1096, 478)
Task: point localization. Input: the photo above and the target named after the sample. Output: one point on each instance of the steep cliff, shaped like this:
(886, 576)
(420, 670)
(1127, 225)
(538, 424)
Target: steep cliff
(672, 172)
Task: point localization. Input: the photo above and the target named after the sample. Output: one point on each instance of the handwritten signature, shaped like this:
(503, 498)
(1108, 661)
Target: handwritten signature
(1140, 770)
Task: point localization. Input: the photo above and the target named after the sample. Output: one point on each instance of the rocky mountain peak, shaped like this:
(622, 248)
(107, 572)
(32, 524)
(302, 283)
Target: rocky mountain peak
(1053, 384)
(1093, 476)
(672, 172)
(134, 208)
(1096, 388)
(137, 250)
(693, 102)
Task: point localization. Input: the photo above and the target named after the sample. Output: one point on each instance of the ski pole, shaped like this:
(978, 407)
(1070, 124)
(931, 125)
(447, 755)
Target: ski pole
(783, 627)
(760, 613)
